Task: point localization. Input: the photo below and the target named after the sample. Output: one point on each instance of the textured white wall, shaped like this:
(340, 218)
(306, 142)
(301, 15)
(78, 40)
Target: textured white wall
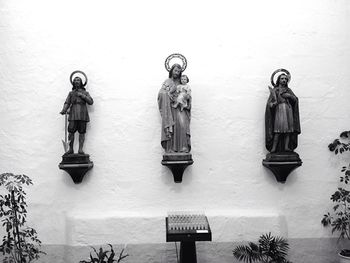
(232, 48)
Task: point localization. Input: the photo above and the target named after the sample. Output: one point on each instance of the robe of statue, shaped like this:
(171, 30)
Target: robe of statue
(175, 131)
(272, 112)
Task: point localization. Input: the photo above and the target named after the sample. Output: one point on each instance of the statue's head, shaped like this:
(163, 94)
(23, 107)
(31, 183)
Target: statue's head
(175, 71)
(77, 83)
(282, 80)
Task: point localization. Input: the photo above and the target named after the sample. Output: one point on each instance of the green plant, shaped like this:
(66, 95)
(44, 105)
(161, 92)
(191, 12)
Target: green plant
(269, 249)
(21, 243)
(105, 256)
(340, 219)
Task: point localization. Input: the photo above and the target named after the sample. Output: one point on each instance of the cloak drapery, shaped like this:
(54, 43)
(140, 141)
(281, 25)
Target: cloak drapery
(270, 113)
(175, 132)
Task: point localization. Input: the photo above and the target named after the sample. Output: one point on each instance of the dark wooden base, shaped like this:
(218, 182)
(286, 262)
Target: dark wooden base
(282, 164)
(177, 163)
(76, 165)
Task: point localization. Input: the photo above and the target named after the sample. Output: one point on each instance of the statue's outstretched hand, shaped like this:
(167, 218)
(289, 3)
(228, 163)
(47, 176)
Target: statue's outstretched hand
(63, 112)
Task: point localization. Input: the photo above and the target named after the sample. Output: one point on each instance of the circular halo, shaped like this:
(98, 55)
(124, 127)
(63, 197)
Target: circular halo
(277, 71)
(176, 55)
(75, 72)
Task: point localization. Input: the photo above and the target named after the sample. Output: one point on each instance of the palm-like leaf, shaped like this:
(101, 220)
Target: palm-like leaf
(274, 248)
(103, 257)
(122, 256)
(269, 249)
(250, 253)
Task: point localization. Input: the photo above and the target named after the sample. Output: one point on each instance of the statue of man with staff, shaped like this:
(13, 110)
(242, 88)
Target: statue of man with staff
(282, 122)
(75, 107)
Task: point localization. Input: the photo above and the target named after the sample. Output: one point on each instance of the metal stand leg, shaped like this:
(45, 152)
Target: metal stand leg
(188, 252)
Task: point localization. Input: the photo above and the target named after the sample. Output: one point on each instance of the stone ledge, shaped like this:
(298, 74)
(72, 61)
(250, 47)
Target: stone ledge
(136, 228)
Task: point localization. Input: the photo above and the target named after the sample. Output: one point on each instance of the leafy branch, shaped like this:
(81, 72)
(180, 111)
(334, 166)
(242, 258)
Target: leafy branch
(21, 243)
(339, 220)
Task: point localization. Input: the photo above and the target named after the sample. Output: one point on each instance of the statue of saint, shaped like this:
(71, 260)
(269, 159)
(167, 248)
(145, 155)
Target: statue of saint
(282, 123)
(75, 105)
(174, 102)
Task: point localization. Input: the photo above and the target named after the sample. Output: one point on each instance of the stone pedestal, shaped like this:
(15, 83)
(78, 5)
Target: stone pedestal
(76, 165)
(177, 163)
(281, 164)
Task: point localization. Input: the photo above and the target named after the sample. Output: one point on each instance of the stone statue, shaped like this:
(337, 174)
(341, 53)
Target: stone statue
(76, 107)
(282, 122)
(174, 102)
(282, 127)
(78, 115)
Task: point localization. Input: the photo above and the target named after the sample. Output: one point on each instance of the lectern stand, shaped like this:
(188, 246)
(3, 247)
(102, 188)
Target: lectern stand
(187, 229)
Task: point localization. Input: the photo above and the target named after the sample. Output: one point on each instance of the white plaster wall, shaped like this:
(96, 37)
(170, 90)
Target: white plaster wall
(232, 48)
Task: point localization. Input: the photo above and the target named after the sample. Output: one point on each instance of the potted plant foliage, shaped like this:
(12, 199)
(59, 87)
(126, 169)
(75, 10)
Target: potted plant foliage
(269, 249)
(105, 256)
(339, 220)
(21, 243)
